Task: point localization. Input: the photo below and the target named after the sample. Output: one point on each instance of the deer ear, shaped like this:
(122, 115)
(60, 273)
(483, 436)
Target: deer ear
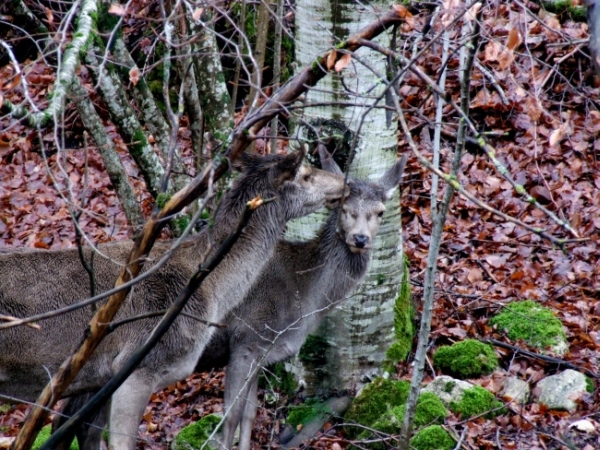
(287, 167)
(327, 162)
(392, 177)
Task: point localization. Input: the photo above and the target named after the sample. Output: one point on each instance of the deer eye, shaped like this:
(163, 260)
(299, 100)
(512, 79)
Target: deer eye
(380, 214)
(307, 177)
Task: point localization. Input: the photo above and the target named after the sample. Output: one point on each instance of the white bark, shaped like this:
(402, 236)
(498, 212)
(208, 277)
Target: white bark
(361, 329)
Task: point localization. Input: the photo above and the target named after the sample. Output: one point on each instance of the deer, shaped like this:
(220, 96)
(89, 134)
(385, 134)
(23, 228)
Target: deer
(35, 281)
(300, 284)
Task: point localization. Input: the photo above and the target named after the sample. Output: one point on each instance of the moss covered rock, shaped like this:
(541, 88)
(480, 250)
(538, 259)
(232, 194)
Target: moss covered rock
(196, 434)
(467, 359)
(430, 410)
(477, 401)
(381, 405)
(374, 400)
(43, 436)
(432, 438)
(533, 323)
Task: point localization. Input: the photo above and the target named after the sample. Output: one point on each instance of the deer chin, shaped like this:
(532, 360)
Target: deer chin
(358, 250)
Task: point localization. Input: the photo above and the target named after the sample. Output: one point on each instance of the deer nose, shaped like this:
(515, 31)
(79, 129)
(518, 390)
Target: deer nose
(360, 240)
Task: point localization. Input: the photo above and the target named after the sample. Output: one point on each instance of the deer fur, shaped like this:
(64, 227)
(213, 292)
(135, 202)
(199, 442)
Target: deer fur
(298, 287)
(33, 282)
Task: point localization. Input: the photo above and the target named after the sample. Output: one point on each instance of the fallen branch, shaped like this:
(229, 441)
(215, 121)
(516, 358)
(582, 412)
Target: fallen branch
(560, 362)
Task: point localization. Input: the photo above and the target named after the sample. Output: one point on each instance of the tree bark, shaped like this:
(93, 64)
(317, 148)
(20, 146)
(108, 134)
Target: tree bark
(114, 167)
(361, 329)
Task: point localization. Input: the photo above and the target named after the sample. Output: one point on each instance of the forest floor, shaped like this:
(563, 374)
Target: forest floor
(540, 111)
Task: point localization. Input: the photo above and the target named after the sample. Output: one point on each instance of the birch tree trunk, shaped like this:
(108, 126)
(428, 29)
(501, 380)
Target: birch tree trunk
(359, 331)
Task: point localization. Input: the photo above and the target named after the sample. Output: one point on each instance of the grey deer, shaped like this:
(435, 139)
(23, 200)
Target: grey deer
(298, 287)
(32, 282)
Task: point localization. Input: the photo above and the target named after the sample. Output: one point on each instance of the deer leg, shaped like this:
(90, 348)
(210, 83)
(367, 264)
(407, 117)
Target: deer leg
(239, 369)
(249, 413)
(89, 434)
(126, 409)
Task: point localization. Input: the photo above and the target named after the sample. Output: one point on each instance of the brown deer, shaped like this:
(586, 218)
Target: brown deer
(33, 282)
(298, 287)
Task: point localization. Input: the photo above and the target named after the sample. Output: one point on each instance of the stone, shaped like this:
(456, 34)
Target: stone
(583, 425)
(560, 391)
(515, 390)
(448, 389)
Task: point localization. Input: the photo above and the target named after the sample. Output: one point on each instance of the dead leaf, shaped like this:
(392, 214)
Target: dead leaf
(116, 9)
(558, 134)
(474, 275)
(49, 15)
(541, 194)
(6, 442)
(532, 108)
(514, 39)
(471, 14)
(331, 57)
(343, 62)
(197, 14)
(14, 82)
(458, 332)
(402, 11)
(497, 261)
(134, 75)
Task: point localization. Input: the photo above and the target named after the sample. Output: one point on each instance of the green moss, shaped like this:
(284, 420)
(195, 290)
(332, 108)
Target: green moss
(589, 385)
(107, 23)
(162, 199)
(179, 224)
(313, 350)
(404, 327)
(139, 142)
(374, 401)
(194, 436)
(315, 67)
(306, 412)
(43, 437)
(477, 401)
(276, 377)
(432, 438)
(577, 13)
(4, 408)
(430, 410)
(467, 359)
(530, 322)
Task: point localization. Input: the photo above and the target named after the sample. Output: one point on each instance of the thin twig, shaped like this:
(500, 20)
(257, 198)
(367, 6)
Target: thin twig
(534, 355)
